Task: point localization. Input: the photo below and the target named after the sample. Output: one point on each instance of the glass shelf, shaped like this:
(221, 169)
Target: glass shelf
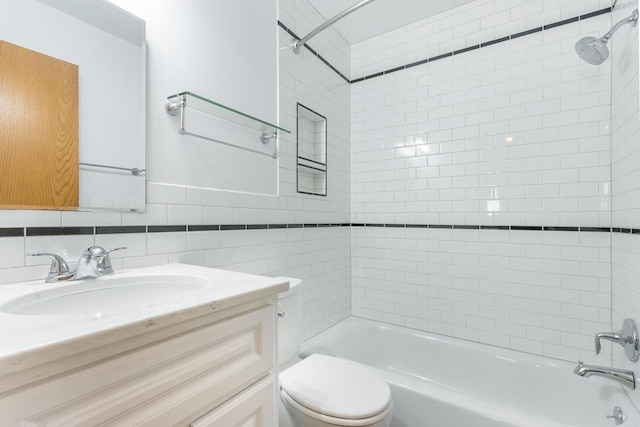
(206, 105)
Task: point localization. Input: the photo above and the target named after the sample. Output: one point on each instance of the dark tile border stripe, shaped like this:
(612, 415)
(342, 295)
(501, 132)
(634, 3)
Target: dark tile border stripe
(212, 227)
(456, 52)
(166, 228)
(257, 226)
(292, 34)
(127, 229)
(58, 231)
(490, 43)
(229, 227)
(11, 232)
(561, 228)
(61, 231)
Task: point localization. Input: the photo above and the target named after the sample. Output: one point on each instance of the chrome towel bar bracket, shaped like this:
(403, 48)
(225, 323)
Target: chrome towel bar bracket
(178, 104)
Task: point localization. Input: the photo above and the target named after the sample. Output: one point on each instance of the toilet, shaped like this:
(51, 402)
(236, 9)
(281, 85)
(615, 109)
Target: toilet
(321, 390)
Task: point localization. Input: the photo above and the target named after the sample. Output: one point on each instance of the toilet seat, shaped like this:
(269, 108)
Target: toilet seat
(336, 391)
(343, 422)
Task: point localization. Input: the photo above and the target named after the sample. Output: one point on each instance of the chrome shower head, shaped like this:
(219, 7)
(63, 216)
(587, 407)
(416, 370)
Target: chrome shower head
(595, 51)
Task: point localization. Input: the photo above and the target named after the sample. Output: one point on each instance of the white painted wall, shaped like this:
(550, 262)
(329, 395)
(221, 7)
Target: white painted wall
(225, 51)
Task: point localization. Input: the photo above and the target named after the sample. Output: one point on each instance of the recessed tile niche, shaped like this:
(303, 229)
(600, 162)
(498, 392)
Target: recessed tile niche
(312, 152)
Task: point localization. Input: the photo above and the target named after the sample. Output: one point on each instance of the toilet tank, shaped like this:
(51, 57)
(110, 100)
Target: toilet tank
(290, 321)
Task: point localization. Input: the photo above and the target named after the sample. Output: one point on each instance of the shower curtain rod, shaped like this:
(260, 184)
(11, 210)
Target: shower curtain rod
(296, 44)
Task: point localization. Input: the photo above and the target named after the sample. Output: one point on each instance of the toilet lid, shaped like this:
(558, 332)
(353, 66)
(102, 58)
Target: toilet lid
(336, 387)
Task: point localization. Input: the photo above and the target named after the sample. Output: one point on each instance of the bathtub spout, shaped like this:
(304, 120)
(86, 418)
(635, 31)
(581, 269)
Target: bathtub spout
(624, 377)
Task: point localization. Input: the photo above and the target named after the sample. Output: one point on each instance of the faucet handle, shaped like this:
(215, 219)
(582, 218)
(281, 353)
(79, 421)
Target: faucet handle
(116, 249)
(58, 268)
(609, 336)
(628, 337)
(104, 261)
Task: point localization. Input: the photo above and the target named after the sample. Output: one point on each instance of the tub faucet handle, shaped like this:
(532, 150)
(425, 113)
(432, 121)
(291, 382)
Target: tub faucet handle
(627, 337)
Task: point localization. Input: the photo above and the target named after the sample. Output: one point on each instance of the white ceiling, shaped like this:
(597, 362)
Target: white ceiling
(380, 16)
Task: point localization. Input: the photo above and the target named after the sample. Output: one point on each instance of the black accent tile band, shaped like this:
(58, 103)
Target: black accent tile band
(596, 229)
(561, 228)
(488, 43)
(525, 33)
(125, 229)
(559, 23)
(596, 13)
(466, 49)
(306, 45)
(525, 228)
(445, 55)
(59, 231)
(257, 226)
(210, 227)
(11, 232)
(413, 64)
(166, 228)
(229, 227)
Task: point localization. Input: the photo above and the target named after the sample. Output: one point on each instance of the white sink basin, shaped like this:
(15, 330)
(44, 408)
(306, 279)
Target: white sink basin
(107, 294)
(38, 320)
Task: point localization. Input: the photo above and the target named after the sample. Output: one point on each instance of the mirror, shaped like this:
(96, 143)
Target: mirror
(312, 152)
(107, 46)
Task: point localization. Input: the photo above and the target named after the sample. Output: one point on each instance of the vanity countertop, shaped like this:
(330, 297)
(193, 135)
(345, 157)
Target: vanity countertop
(28, 339)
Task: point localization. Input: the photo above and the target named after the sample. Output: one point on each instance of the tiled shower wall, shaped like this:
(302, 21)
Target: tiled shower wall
(512, 136)
(318, 255)
(625, 171)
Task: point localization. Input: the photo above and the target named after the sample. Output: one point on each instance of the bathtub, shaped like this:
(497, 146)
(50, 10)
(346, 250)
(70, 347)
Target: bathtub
(438, 381)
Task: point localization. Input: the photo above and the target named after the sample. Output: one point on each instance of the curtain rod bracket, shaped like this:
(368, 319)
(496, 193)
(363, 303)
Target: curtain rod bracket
(296, 45)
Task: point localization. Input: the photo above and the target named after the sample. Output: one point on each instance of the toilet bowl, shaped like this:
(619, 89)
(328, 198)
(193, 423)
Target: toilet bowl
(324, 391)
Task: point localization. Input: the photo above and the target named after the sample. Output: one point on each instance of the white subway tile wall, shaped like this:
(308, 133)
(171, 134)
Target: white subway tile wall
(319, 256)
(516, 133)
(625, 180)
(543, 292)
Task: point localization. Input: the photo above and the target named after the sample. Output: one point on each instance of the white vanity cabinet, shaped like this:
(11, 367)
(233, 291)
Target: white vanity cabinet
(213, 370)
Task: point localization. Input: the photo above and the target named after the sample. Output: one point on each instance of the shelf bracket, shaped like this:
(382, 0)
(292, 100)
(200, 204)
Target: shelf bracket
(172, 107)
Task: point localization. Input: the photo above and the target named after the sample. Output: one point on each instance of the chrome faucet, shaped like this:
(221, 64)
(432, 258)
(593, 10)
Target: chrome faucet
(93, 262)
(628, 337)
(624, 377)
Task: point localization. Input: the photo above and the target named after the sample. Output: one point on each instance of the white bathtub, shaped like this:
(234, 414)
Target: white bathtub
(438, 381)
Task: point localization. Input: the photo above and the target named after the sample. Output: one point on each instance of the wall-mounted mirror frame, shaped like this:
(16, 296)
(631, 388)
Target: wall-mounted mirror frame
(108, 45)
(311, 152)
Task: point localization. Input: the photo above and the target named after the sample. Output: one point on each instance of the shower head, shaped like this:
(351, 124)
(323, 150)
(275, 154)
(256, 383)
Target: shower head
(595, 51)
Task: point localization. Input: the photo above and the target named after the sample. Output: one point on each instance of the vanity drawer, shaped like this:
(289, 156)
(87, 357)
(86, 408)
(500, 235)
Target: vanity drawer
(254, 407)
(171, 382)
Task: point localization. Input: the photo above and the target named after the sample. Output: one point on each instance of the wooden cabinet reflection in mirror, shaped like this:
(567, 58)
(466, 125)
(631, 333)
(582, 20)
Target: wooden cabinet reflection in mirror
(38, 130)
